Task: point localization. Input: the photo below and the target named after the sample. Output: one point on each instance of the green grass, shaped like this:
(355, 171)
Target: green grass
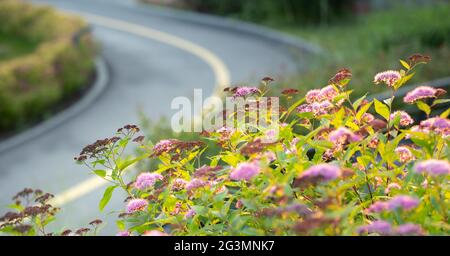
(42, 69)
(375, 43)
(13, 47)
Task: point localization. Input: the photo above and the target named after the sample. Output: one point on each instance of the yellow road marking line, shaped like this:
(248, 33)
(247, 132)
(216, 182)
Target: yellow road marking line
(221, 73)
(77, 191)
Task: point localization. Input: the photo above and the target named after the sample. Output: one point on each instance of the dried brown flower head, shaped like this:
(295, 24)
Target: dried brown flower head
(418, 58)
(341, 78)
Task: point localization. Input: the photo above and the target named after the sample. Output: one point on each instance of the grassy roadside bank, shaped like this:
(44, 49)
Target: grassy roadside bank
(45, 65)
(376, 41)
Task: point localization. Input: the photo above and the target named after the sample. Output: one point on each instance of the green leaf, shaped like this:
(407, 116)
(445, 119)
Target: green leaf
(446, 113)
(424, 107)
(405, 64)
(106, 197)
(403, 81)
(293, 107)
(382, 109)
(48, 220)
(120, 225)
(101, 173)
(395, 121)
(338, 118)
(358, 101)
(362, 111)
(230, 159)
(440, 101)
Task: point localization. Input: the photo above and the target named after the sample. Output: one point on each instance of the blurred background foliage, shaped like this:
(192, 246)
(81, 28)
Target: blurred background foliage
(46, 61)
(275, 12)
(365, 36)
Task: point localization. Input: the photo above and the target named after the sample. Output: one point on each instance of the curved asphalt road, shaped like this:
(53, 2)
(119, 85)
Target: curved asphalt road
(146, 75)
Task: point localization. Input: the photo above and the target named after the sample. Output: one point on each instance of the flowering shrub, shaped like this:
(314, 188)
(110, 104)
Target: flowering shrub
(338, 167)
(33, 212)
(55, 72)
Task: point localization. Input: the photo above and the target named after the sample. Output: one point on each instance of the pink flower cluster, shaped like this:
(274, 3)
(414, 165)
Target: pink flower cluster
(389, 77)
(324, 172)
(147, 180)
(379, 226)
(422, 92)
(433, 167)
(195, 184)
(404, 154)
(179, 184)
(343, 135)
(244, 91)
(123, 233)
(164, 145)
(408, 229)
(437, 125)
(154, 232)
(405, 118)
(245, 171)
(399, 202)
(391, 186)
(136, 205)
(292, 146)
(189, 214)
(317, 95)
(385, 228)
(319, 101)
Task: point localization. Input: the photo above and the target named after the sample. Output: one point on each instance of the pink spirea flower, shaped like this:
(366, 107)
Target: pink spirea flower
(389, 77)
(270, 156)
(245, 171)
(195, 184)
(328, 93)
(367, 117)
(379, 226)
(317, 108)
(136, 205)
(343, 135)
(146, 180)
(226, 129)
(270, 135)
(154, 232)
(408, 229)
(404, 154)
(403, 202)
(164, 145)
(189, 214)
(436, 124)
(304, 108)
(292, 146)
(325, 172)
(391, 186)
(244, 91)
(421, 92)
(405, 118)
(433, 167)
(123, 233)
(179, 184)
(313, 96)
(378, 207)
(321, 108)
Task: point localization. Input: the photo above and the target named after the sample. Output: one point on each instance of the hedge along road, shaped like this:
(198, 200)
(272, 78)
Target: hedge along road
(152, 59)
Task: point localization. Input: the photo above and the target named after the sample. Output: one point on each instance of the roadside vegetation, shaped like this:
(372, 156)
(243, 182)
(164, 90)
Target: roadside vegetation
(376, 40)
(330, 164)
(46, 61)
(362, 42)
